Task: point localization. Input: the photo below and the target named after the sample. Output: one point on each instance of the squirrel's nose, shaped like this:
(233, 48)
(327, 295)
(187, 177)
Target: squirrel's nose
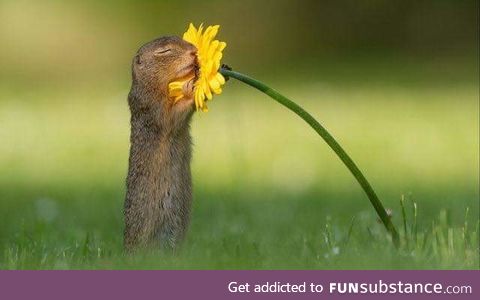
(193, 52)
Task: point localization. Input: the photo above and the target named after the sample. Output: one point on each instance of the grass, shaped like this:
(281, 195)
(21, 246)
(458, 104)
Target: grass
(269, 194)
(229, 232)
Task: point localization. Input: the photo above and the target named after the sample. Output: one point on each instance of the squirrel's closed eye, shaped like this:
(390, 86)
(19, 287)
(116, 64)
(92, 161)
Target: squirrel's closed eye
(163, 51)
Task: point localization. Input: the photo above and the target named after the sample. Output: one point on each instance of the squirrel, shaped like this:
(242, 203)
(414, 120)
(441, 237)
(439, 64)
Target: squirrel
(159, 186)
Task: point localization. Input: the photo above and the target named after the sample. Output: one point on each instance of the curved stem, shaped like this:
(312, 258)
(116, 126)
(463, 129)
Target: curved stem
(328, 138)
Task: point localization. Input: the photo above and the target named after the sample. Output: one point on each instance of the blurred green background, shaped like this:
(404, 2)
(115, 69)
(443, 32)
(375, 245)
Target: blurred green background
(395, 81)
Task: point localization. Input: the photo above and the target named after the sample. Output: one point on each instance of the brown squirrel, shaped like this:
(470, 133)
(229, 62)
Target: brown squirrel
(159, 188)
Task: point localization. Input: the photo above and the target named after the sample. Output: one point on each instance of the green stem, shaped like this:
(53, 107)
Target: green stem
(328, 138)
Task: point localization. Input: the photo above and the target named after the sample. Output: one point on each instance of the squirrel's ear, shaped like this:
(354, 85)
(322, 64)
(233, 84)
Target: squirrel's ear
(137, 59)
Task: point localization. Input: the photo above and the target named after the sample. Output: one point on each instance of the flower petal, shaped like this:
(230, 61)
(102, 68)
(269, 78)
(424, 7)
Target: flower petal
(209, 55)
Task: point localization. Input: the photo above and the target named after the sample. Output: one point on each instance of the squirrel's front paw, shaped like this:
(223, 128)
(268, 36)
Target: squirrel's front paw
(187, 100)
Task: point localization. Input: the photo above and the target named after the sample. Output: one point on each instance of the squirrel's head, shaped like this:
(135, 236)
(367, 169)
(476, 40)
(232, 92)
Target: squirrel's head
(155, 65)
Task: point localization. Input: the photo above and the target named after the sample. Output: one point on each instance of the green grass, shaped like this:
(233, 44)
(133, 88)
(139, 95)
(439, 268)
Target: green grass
(269, 194)
(230, 232)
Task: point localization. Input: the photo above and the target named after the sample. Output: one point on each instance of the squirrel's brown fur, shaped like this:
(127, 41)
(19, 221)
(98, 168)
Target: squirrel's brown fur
(159, 190)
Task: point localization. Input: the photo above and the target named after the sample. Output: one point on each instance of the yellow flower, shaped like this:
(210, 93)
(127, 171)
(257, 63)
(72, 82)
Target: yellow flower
(209, 54)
